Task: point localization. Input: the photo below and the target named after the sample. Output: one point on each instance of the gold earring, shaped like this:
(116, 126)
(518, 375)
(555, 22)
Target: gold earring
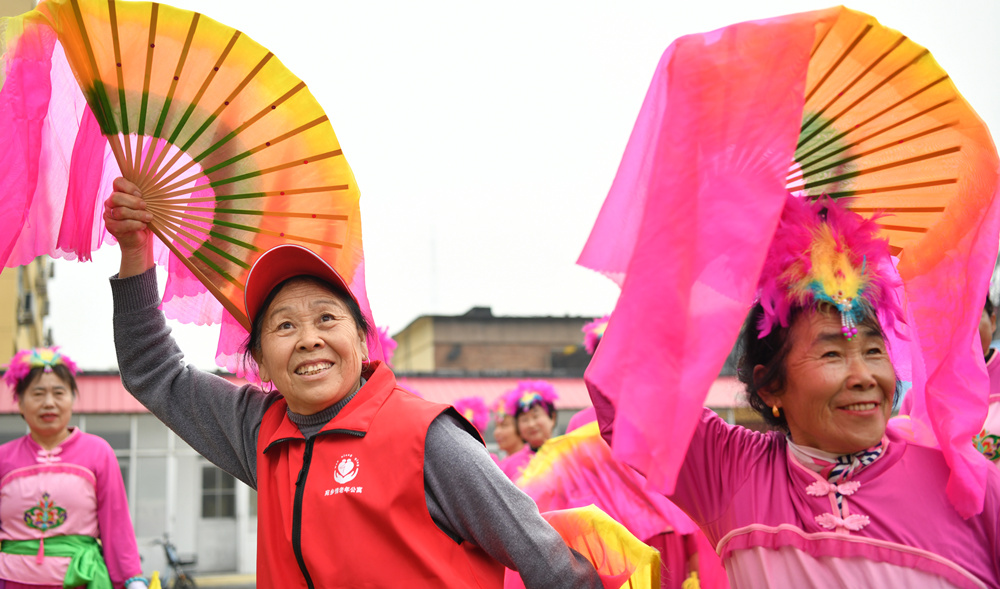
(775, 411)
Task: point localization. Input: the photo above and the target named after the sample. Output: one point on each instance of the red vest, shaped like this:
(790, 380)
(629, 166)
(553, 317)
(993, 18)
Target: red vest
(348, 509)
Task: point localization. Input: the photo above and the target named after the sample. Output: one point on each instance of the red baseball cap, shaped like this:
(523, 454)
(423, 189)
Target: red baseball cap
(280, 263)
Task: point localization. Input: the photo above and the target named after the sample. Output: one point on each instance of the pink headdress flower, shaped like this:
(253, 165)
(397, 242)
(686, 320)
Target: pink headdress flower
(824, 253)
(388, 344)
(500, 407)
(24, 361)
(474, 409)
(593, 332)
(531, 392)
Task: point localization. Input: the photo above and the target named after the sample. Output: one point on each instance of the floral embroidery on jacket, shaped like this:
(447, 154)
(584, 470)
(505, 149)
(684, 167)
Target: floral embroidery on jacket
(988, 444)
(46, 515)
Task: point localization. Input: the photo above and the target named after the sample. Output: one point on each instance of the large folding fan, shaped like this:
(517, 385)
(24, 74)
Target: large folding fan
(884, 125)
(231, 151)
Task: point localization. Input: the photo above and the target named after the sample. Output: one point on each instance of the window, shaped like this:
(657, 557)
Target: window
(12, 427)
(116, 429)
(218, 493)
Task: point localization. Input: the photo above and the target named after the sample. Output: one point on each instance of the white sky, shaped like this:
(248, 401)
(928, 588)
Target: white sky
(484, 137)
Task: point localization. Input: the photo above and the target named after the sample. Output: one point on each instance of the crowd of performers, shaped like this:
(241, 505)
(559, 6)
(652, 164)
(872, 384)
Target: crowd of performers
(362, 483)
(833, 496)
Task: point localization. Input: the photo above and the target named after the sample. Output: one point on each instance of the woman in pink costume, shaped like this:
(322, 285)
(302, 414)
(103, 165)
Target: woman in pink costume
(504, 430)
(64, 519)
(835, 498)
(533, 405)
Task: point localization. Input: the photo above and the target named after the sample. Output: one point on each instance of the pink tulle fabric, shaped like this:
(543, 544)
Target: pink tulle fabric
(685, 230)
(54, 157)
(388, 344)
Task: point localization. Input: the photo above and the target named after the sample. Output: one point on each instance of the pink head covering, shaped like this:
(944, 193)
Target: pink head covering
(824, 253)
(24, 361)
(531, 392)
(593, 332)
(500, 406)
(474, 409)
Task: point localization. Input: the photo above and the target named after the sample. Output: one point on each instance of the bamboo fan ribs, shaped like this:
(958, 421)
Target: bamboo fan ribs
(885, 125)
(232, 153)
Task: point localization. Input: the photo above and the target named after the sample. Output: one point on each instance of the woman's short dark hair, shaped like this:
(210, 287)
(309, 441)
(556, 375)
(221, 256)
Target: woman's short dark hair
(989, 307)
(252, 345)
(59, 370)
(771, 352)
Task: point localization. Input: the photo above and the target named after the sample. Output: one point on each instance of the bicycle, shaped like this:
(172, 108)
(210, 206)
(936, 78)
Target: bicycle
(180, 578)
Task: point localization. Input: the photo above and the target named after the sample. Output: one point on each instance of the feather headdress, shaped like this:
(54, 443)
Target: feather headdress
(824, 253)
(474, 410)
(24, 361)
(500, 406)
(531, 392)
(593, 332)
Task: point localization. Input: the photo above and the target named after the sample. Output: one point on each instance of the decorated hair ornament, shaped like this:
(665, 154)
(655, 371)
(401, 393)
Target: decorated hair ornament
(474, 410)
(824, 253)
(500, 407)
(531, 392)
(593, 332)
(24, 361)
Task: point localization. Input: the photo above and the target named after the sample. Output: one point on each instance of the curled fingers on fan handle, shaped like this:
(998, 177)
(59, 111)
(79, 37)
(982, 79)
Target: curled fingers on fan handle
(125, 210)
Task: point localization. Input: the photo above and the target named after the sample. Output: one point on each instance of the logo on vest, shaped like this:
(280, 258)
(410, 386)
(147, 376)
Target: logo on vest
(346, 470)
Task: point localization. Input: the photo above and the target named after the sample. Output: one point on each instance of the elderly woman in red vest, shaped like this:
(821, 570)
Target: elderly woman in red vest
(360, 483)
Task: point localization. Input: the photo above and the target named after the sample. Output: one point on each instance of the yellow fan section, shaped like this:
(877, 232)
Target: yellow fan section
(884, 124)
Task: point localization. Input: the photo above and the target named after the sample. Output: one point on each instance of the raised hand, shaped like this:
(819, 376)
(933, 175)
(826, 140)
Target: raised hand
(126, 218)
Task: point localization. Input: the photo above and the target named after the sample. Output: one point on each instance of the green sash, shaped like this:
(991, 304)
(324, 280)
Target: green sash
(86, 567)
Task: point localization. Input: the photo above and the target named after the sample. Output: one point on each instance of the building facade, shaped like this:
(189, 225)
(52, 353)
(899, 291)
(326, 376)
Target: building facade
(24, 306)
(478, 342)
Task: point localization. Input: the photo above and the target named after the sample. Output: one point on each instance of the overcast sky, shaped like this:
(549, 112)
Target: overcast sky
(484, 137)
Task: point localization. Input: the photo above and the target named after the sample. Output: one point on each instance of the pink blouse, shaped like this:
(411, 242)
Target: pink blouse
(776, 523)
(73, 489)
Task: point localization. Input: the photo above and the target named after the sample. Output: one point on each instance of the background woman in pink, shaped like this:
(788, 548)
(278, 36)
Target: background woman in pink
(504, 430)
(533, 405)
(64, 519)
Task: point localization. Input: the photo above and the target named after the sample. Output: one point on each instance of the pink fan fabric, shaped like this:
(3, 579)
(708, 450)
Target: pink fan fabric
(388, 344)
(685, 229)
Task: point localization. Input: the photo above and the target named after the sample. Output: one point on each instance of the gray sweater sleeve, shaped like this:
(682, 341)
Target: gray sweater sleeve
(469, 495)
(217, 418)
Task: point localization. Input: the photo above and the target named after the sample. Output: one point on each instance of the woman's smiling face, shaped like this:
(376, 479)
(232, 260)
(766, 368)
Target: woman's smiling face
(839, 392)
(311, 349)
